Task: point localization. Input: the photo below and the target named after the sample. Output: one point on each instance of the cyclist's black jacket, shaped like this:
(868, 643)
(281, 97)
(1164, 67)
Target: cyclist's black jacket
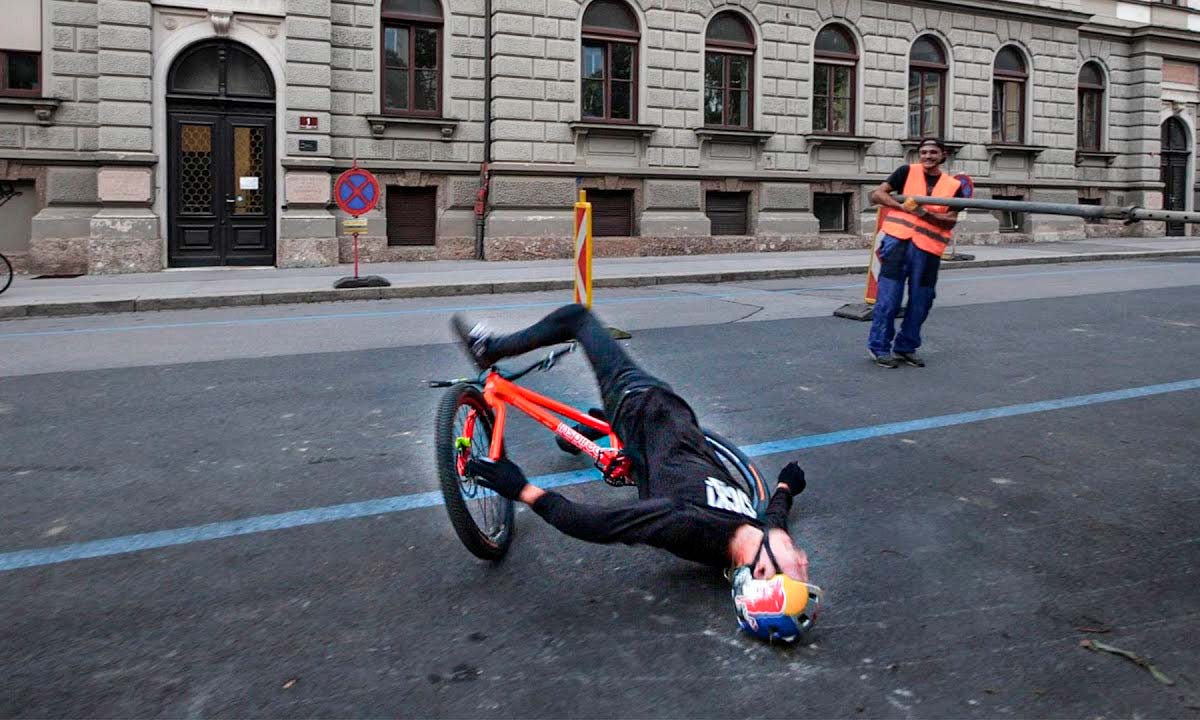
(688, 504)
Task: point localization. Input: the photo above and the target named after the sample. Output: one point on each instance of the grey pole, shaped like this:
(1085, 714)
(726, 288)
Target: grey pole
(1109, 212)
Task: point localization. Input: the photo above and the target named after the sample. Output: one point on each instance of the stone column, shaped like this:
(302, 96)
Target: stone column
(307, 230)
(978, 227)
(126, 235)
(58, 242)
(531, 218)
(1143, 105)
(1053, 228)
(673, 209)
(786, 212)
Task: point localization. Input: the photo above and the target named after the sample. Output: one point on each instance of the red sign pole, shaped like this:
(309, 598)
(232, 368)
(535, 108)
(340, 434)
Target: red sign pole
(356, 255)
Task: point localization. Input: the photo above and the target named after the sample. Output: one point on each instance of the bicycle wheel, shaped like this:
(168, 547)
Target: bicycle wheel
(6, 274)
(482, 519)
(744, 472)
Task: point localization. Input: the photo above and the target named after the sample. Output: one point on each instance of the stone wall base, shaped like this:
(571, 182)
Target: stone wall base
(58, 256)
(374, 248)
(611, 247)
(306, 252)
(19, 260)
(107, 256)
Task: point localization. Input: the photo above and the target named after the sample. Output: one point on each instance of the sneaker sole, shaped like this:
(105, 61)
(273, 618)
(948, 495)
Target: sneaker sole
(882, 365)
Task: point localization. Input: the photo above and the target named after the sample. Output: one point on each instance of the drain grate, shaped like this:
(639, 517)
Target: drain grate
(57, 277)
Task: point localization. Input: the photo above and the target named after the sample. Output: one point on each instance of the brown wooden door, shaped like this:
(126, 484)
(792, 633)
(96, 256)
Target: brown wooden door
(222, 190)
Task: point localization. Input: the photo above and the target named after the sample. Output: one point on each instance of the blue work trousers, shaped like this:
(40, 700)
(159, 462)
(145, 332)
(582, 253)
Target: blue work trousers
(902, 261)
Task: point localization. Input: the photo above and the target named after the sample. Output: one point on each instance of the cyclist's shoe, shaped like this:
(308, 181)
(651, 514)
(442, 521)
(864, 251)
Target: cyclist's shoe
(475, 341)
(885, 361)
(910, 358)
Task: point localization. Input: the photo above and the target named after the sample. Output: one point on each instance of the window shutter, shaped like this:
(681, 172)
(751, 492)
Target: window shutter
(411, 215)
(727, 212)
(612, 212)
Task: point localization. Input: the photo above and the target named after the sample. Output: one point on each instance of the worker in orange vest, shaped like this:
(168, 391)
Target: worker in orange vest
(910, 252)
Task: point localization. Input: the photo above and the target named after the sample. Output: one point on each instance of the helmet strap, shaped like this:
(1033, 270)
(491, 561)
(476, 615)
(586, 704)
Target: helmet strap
(766, 545)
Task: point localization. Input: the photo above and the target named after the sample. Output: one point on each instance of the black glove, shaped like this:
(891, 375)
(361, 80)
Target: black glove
(793, 476)
(503, 476)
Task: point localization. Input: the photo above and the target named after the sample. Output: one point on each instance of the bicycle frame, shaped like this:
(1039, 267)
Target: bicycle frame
(499, 393)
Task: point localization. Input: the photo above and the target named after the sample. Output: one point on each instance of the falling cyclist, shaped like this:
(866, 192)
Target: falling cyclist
(687, 503)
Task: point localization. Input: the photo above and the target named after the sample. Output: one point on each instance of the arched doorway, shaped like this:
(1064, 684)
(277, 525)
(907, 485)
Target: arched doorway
(221, 157)
(1175, 154)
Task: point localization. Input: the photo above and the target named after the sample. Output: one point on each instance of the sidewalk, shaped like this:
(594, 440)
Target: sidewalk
(225, 287)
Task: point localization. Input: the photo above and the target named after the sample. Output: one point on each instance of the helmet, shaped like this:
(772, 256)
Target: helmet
(775, 608)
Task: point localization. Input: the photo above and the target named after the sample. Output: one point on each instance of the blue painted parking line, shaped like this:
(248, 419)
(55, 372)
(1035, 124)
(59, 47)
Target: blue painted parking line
(266, 523)
(371, 314)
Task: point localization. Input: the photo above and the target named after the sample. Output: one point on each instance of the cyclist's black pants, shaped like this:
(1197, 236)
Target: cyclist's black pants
(615, 372)
(658, 428)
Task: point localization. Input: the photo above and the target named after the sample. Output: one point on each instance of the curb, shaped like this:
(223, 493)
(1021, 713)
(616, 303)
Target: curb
(288, 297)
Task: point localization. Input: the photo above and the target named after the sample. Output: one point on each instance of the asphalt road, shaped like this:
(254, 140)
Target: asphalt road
(167, 483)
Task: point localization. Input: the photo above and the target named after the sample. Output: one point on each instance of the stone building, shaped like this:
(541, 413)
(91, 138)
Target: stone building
(149, 134)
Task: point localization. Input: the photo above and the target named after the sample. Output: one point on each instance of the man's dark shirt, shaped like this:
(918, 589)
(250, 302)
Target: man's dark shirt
(688, 504)
(900, 176)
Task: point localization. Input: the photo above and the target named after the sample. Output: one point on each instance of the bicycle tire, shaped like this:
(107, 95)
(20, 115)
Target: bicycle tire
(491, 542)
(6, 274)
(745, 473)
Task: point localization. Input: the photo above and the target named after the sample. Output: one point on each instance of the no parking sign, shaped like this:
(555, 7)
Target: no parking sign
(356, 192)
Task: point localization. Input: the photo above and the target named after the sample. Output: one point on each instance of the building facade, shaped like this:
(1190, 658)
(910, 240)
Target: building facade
(149, 134)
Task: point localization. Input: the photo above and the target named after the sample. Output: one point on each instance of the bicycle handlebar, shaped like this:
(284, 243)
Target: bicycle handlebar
(544, 364)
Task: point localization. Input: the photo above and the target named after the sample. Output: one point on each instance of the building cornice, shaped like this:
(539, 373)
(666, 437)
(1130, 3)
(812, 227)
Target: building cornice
(1140, 32)
(1010, 10)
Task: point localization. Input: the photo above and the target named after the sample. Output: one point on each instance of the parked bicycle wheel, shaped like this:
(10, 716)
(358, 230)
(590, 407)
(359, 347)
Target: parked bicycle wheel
(744, 472)
(482, 519)
(6, 273)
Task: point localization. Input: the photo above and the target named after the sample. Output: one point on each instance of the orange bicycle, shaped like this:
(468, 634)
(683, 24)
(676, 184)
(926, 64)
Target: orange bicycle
(471, 421)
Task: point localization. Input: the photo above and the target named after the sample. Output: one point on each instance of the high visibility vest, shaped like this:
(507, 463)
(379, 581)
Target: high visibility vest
(907, 226)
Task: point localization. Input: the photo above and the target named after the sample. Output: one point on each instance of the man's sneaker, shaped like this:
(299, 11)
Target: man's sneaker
(911, 359)
(475, 340)
(885, 361)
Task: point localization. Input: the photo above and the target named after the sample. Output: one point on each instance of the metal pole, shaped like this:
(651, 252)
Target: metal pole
(481, 217)
(1110, 212)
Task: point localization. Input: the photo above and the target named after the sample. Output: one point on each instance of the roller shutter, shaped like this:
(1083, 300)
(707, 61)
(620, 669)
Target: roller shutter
(727, 211)
(411, 215)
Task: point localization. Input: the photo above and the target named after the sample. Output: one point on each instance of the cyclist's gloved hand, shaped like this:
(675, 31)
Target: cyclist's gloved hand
(503, 476)
(792, 475)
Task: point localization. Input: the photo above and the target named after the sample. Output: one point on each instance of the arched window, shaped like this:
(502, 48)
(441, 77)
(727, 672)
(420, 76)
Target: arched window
(412, 49)
(608, 71)
(220, 69)
(836, 56)
(1009, 76)
(1091, 106)
(728, 72)
(926, 88)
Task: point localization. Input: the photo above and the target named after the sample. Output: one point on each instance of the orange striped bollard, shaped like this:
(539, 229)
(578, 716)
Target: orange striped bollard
(583, 251)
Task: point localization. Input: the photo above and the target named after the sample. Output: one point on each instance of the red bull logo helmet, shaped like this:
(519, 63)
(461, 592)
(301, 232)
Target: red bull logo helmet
(775, 608)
